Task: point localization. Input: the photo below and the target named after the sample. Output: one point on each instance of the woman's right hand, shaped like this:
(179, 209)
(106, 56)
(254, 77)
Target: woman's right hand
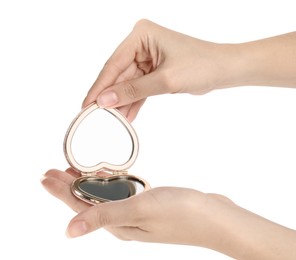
(154, 60)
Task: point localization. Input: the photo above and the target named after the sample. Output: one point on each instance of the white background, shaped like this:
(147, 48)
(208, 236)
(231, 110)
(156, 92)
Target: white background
(238, 142)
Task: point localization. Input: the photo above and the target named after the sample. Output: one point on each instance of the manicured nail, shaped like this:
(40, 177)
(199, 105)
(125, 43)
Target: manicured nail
(42, 178)
(107, 99)
(76, 229)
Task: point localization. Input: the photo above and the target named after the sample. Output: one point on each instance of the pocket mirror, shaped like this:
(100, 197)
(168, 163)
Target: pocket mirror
(101, 145)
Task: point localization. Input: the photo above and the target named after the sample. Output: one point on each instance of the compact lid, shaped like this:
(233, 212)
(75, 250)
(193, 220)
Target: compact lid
(103, 134)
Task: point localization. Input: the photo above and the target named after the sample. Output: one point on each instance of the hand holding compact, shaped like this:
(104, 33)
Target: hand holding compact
(154, 60)
(165, 214)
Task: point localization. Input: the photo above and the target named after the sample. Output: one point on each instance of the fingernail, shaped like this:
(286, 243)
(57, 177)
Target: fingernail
(107, 99)
(76, 229)
(42, 178)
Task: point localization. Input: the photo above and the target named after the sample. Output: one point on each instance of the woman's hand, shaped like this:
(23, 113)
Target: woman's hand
(154, 60)
(178, 216)
(149, 216)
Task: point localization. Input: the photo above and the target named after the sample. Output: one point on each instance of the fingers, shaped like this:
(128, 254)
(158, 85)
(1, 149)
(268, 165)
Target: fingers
(62, 176)
(118, 65)
(75, 174)
(58, 184)
(117, 217)
(131, 91)
(131, 111)
(122, 81)
(129, 233)
(134, 109)
(109, 215)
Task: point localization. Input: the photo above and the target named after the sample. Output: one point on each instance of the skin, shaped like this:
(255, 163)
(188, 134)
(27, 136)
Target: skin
(154, 60)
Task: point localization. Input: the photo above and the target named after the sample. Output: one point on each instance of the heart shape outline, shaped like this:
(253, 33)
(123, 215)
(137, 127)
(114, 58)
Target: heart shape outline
(85, 170)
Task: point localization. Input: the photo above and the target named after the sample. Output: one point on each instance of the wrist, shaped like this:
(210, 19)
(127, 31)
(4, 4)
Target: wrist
(232, 66)
(265, 62)
(229, 232)
(242, 234)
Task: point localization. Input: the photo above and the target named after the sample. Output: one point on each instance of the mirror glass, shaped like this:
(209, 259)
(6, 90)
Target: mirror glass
(101, 137)
(109, 190)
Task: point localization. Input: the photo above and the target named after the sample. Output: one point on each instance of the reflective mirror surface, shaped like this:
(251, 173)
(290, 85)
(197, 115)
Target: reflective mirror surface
(114, 190)
(96, 190)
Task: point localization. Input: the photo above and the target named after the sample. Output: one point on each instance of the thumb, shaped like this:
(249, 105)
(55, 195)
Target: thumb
(130, 91)
(114, 214)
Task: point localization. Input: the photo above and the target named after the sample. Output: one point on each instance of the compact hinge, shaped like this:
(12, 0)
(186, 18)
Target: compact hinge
(119, 172)
(90, 174)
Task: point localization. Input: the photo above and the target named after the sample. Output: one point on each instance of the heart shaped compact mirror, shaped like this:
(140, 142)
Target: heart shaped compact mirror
(101, 145)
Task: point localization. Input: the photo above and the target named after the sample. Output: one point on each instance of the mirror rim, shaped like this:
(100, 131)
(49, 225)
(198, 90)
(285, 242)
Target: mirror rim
(101, 165)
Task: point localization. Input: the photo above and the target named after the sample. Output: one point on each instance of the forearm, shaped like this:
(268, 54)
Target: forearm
(244, 235)
(266, 62)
